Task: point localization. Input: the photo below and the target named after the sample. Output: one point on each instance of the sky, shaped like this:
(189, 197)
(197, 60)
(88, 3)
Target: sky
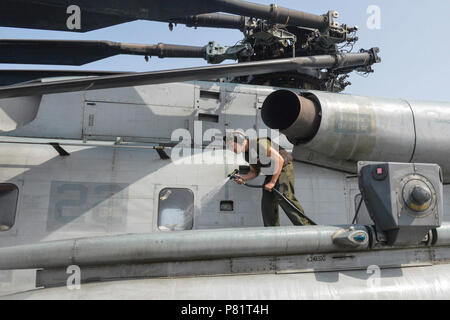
(413, 38)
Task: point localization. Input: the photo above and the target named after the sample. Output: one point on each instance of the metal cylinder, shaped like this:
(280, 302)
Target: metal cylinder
(356, 128)
(351, 127)
(273, 13)
(441, 235)
(213, 20)
(189, 246)
(162, 50)
(181, 246)
(432, 128)
(295, 116)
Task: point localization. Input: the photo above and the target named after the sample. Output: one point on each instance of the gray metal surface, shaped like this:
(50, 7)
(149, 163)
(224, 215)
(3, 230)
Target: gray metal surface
(417, 283)
(432, 124)
(362, 128)
(18, 112)
(307, 263)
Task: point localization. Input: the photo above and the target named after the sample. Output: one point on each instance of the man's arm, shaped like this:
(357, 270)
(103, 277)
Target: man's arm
(278, 163)
(249, 176)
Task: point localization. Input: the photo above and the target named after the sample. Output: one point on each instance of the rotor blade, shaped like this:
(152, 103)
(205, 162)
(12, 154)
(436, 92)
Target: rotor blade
(77, 53)
(87, 15)
(181, 75)
(52, 15)
(63, 15)
(10, 77)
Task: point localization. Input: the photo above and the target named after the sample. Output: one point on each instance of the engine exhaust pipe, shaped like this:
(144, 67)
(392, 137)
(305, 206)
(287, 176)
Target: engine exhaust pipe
(293, 115)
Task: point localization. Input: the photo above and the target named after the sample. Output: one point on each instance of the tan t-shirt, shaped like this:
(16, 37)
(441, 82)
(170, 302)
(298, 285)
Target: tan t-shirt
(257, 155)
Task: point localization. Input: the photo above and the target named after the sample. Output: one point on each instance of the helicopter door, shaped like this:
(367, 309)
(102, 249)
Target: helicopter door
(142, 114)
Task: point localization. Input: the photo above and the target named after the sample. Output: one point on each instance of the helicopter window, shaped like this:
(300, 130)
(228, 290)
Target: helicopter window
(226, 206)
(9, 195)
(209, 95)
(208, 117)
(176, 209)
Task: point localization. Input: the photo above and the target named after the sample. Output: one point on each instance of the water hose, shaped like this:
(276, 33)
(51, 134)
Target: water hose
(233, 177)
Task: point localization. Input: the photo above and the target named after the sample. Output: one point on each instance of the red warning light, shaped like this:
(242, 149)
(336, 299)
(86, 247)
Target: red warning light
(380, 172)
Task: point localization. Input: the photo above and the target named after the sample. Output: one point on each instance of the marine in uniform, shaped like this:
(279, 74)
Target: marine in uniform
(275, 161)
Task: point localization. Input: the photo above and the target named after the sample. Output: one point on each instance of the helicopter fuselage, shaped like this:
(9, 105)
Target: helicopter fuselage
(116, 177)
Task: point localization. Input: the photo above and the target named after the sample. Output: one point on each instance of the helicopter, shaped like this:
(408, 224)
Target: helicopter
(116, 184)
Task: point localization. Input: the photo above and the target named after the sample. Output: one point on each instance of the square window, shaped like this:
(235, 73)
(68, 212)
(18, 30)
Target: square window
(176, 209)
(227, 206)
(9, 195)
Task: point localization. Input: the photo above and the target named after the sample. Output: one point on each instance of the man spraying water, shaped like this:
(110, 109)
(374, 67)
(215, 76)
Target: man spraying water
(275, 162)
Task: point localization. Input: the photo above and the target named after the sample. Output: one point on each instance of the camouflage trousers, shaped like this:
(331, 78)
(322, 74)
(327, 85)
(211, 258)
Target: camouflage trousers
(270, 201)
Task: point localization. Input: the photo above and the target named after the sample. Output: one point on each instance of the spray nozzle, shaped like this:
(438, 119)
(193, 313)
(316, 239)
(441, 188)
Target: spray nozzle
(232, 175)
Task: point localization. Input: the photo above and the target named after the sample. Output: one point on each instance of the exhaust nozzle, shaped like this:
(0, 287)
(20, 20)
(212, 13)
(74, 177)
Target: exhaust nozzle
(293, 115)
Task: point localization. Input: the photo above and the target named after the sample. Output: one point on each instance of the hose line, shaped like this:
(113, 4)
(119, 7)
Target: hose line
(278, 193)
